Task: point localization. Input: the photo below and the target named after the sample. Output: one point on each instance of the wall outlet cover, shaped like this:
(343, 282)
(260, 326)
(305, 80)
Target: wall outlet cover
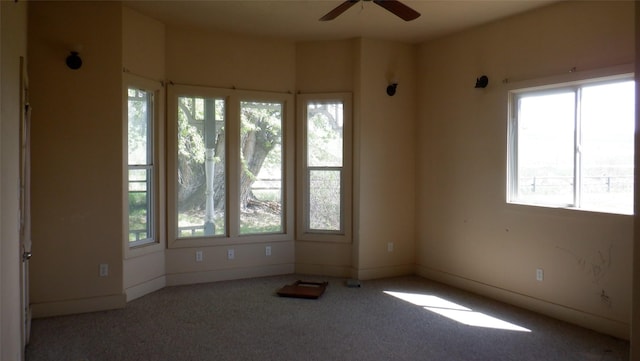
(104, 270)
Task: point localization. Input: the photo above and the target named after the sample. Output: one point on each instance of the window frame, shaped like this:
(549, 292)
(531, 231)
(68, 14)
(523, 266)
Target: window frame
(233, 99)
(304, 232)
(573, 82)
(157, 192)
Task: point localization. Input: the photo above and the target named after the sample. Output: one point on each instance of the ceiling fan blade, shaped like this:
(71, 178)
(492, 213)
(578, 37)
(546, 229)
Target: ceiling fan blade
(399, 9)
(338, 10)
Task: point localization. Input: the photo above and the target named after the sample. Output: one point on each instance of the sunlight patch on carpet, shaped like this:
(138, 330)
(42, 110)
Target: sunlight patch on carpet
(455, 311)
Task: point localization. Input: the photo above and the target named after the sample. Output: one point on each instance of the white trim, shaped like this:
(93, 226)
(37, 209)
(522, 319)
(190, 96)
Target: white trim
(302, 214)
(571, 82)
(325, 270)
(79, 305)
(137, 291)
(571, 78)
(228, 274)
(386, 271)
(131, 80)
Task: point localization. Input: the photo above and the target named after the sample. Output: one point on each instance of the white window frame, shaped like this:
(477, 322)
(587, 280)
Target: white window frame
(572, 82)
(233, 168)
(304, 232)
(157, 208)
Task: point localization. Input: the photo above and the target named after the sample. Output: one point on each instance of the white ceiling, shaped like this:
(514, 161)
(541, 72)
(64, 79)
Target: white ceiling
(298, 19)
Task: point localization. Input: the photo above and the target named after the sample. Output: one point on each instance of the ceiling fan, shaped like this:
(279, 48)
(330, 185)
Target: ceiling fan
(394, 6)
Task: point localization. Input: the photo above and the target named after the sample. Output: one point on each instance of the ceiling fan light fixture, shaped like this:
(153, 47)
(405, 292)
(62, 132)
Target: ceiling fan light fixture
(394, 6)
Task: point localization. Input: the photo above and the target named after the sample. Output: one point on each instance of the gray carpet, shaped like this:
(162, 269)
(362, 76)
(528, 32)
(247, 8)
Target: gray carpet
(246, 320)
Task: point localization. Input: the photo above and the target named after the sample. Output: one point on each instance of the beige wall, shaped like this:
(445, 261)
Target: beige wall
(468, 235)
(385, 138)
(325, 66)
(77, 156)
(13, 45)
(229, 61)
(143, 45)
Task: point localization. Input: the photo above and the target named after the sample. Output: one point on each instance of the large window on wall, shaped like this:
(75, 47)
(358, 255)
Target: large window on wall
(325, 167)
(572, 145)
(232, 174)
(262, 171)
(142, 175)
(201, 171)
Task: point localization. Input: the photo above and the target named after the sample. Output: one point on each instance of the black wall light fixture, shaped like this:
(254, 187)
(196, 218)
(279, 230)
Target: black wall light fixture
(74, 61)
(391, 89)
(482, 82)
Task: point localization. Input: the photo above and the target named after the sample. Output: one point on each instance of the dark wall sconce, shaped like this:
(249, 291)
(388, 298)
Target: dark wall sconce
(74, 61)
(391, 89)
(482, 82)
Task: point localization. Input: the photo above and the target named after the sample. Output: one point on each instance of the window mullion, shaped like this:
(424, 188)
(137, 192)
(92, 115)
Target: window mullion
(577, 168)
(233, 166)
(150, 128)
(512, 143)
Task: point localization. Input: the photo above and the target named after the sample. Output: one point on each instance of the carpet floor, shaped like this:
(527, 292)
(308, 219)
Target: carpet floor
(401, 318)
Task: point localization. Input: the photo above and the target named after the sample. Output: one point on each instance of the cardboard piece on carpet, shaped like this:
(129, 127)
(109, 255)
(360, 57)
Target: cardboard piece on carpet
(301, 289)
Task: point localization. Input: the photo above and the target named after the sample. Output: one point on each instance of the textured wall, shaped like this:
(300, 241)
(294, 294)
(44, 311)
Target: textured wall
(77, 155)
(467, 232)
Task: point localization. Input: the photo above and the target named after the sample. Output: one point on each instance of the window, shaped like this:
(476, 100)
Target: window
(261, 177)
(572, 145)
(141, 173)
(325, 169)
(201, 166)
(232, 175)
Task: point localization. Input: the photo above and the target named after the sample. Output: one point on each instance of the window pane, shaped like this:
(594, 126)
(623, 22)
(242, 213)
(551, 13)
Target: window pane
(139, 132)
(607, 121)
(545, 154)
(261, 177)
(140, 204)
(140, 162)
(324, 200)
(201, 167)
(324, 134)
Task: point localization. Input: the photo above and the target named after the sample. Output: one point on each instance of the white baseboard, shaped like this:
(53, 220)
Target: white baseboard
(385, 272)
(323, 270)
(600, 324)
(227, 274)
(145, 288)
(82, 305)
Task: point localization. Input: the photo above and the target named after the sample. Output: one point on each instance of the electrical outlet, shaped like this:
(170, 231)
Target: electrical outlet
(390, 247)
(198, 256)
(104, 270)
(267, 251)
(231, 254)
(539, 274)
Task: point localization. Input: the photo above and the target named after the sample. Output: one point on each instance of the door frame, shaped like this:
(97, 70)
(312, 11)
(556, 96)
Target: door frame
(25, 203)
